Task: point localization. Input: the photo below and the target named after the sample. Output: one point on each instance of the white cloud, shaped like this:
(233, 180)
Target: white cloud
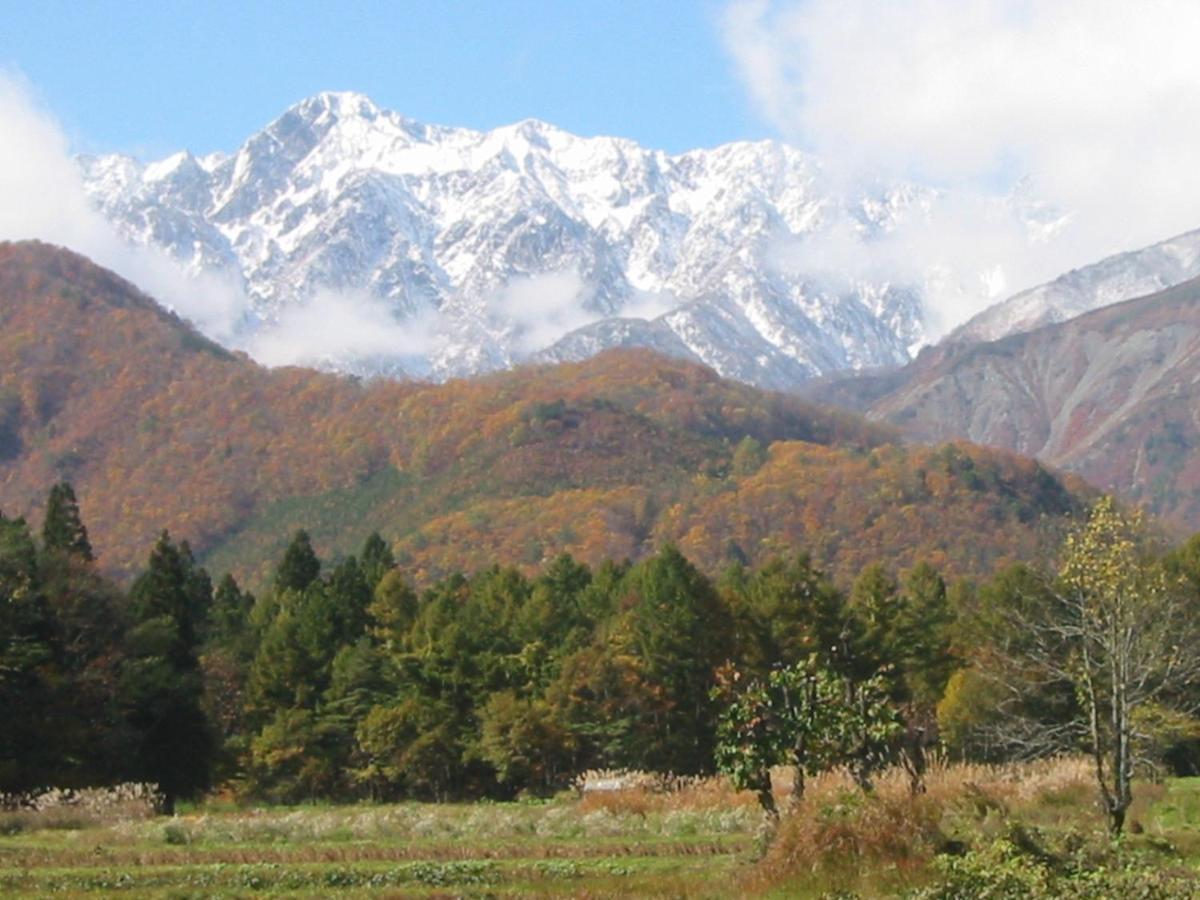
(649, 305)
(1098, 101)
(343, 326)
(42, 196)
(539, 309)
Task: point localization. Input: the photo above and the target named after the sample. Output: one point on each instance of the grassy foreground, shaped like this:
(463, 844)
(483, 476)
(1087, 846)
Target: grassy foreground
(998, 832)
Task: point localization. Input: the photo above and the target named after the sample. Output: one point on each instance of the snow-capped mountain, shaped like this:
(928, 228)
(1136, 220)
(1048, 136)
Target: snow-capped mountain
(1114, 279)
(527, 242)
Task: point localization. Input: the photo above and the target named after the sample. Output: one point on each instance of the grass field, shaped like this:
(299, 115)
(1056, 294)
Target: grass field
(564, 847)
(698, 842)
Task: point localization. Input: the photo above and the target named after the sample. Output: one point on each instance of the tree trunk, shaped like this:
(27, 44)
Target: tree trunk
(799, 758)
(797, 794)
(766, 798)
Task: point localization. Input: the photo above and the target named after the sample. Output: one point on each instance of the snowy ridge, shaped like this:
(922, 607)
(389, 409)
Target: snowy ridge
(1114, 279)
(526, 242)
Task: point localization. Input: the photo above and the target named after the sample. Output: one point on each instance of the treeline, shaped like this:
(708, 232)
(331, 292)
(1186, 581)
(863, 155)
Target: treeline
(341, 681)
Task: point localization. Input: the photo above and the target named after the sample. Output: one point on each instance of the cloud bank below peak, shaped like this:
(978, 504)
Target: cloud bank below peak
(1093, 106)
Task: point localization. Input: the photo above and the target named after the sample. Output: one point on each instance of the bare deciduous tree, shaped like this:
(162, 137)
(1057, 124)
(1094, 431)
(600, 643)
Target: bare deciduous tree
(1125, 640)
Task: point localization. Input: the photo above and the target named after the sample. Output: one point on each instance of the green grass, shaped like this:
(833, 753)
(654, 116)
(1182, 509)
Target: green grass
(703, 845)
(494, 849)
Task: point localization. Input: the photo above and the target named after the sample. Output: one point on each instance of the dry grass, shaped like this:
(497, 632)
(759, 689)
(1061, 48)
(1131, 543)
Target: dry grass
(642, 794)
(837, 834)
(58, 808)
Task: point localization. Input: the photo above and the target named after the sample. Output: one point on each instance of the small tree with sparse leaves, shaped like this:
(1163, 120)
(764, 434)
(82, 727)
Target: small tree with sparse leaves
(805, 716)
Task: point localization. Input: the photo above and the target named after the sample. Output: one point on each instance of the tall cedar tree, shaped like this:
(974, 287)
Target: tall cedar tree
(25, 650)
(162, 683)
(299, 567)
(63, 529)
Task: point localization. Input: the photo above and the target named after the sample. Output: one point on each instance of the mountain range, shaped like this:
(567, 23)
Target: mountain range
(528, 242)
(158, 427)
(1124, 276)
(1111, 394)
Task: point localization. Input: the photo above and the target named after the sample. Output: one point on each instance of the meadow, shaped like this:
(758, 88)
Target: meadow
(977, 831)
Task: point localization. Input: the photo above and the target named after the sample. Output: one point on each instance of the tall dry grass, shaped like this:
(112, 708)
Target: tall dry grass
(634, 792)
(837, 836)
(78, 808)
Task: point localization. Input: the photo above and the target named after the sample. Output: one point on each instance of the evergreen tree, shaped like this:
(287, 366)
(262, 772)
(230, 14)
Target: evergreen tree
(63, 528)
(376, 559)
(680, 629)
(299, 567)
(229, 617)
(350, 593)
(790, 610)
(161, 683)
(875, 643)
(923, 631)
(26, 648)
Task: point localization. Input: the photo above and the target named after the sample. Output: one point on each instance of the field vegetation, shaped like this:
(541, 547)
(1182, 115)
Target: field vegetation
(871, 669)
(1003, 831)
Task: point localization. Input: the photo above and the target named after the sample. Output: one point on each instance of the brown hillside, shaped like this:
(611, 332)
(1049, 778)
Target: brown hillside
(159, 428)
(1112, 395)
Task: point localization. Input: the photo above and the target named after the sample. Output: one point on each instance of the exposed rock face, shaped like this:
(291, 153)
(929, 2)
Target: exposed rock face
(1112, 280)
(528, 242)
(1113, 395)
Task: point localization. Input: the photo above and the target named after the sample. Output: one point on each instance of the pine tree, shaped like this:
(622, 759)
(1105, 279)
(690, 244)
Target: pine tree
(923, 632)
(299, 567)
(25, 649)
(161, 682)
(376, 559)
(63, 529)
(229, 618)
(680, 629)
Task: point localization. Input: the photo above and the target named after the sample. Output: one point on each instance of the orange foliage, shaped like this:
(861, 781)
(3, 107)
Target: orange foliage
(158, 428)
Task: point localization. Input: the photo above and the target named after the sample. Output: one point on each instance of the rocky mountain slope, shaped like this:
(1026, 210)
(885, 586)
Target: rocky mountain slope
(1112, 280)
(497, 246)
(158, 427)
(1112, 395)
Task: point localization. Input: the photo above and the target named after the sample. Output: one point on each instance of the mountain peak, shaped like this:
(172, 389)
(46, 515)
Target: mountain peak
(339, 104)
(524, 230)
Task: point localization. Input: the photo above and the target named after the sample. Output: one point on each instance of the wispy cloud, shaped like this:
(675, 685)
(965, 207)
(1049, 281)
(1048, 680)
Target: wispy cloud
(42, 196)
(539, 309)
(1096, 101)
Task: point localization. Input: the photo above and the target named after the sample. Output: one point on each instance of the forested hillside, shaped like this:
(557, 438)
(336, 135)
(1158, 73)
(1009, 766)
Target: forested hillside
(158, 428)
(1110, 395)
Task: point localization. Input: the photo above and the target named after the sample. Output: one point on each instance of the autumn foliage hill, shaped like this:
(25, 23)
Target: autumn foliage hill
(157, 427)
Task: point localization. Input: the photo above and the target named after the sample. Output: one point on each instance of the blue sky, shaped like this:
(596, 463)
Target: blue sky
(150, 78)
(1094, 104)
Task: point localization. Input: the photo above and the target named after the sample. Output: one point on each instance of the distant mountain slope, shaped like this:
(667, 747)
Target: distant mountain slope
(511, 239)
(1112, 280)
(158, 427)
(1113, 395)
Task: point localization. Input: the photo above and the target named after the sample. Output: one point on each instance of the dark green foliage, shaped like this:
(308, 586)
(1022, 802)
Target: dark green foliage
(299, 566)
(923, 629)
(63, 529)
(377, 559)
(161, 682)
(787, 610)
(229, 617)
(680, 630)
(26, 635)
